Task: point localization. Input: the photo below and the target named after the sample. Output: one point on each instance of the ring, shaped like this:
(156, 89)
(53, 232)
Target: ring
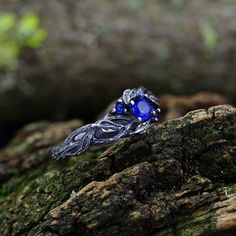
(132, 113)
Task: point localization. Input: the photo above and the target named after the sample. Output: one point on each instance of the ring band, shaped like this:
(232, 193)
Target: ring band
(131, 114)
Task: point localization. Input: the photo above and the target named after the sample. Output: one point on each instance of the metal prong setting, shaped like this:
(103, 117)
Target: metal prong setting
(155, 119)
(139, 118)
(153, 112)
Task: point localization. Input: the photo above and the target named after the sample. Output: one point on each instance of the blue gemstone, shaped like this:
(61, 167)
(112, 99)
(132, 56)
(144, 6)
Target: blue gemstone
(155, 117)
(119, 107)
(142, 108)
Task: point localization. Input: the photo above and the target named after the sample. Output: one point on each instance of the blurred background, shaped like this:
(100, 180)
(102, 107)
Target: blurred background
(69, 59)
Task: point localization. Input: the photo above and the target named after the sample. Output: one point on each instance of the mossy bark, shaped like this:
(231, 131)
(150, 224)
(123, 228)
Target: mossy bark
(177, 179)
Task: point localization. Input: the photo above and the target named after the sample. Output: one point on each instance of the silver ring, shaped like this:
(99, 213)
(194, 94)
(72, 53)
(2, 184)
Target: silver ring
(131, 114)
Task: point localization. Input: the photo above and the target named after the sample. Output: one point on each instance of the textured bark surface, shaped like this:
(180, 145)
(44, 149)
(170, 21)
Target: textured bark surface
(177, 179)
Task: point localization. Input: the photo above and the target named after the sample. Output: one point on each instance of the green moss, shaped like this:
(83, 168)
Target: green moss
(209, 36)
(41, 192)
(15, 185)
(194, 227)
(17, 33)
(218, 164)
(166, 232)
(4, 191)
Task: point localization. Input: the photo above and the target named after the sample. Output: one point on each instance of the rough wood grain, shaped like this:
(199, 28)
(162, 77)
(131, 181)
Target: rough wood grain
(177, 179)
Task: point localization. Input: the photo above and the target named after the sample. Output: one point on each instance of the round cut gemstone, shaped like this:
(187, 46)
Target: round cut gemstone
(142, 108)
(119, 107)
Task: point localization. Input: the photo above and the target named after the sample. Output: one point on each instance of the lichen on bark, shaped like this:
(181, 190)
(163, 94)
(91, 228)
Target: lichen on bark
(177, 179)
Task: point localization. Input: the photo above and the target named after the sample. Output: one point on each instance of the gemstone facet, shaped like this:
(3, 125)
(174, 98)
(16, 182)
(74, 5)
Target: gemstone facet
(142, 108)
(119, 108)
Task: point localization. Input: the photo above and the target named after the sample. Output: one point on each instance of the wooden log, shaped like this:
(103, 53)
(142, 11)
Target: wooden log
(177, 179)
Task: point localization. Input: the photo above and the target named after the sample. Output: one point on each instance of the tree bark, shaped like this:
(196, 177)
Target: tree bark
(177, 179)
